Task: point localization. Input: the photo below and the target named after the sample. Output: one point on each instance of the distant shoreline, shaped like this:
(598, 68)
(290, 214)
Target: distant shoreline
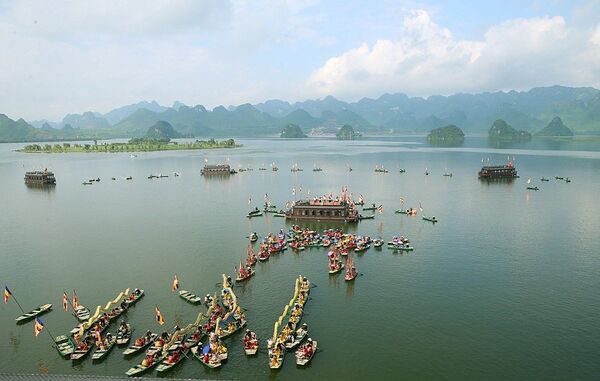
(131, 147)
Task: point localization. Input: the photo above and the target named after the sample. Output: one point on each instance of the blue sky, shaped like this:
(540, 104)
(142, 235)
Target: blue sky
(69, 57)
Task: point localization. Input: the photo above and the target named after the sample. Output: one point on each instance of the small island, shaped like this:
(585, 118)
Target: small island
(504, 132)
(158, 138)
(449, 135)
(555, 128)
(292, 131)
(346, 133)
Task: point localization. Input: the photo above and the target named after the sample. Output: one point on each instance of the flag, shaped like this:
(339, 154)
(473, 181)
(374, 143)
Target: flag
(38, 326)
(294, 191)
(529, 180)
(249, 200)
(175, 285)
(75, 300)
(380, 209)
(420, 208)
(266, 197)
(65, 301)
(300, 190)
(402, 200)
(159, 317)
(7, 294)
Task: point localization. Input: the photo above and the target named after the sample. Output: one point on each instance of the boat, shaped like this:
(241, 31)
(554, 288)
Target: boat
(174, 357)
(400, 247)
(533, 188)
(30, 315)
(430, 219)
(189, 297)
(339, 268)
(251, 343)
(64, 345)
(100, 352)
(149, 362)
(299, 336)
(263, 255)
(134, 297)
(253, 237)
(276, 358)
(361, 217)
(448, 174)
(567, 180)
(301, 354)
(213, 361)
(240, 277)
(361, 247)
(372, 207)
(82, 313)
(378, 242)
(123, 336)
(140, 344)
(113, 178)
(544, 179)
(559, 178)
(86, 183)
(350, 270)
(254, 213)
(279, 214)
(129, 178)
(44, 177)
(231, 328)
(402, 170)
(270, 208)
(81, 351)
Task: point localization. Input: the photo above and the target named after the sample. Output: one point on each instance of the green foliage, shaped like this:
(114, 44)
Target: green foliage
(346, 133)
(292, 131)
(502, 131)
(555, 128)
(449, 135)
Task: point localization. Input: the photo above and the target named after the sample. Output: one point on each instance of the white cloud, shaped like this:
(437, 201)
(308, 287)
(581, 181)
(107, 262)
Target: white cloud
(427, 59)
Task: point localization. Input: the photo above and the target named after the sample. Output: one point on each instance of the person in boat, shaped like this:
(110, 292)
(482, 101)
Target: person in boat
(123, 305)
(207, 299)
(173, 357)
(108, 338)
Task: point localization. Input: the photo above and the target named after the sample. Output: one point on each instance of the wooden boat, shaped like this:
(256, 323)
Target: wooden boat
(401, 170)
(270, 209)
(301, 359)
(82, 313)
(263, 255)
(230, 330)
(377, 242)
(567, 180)
(213, 362)
(136, 295)
(30, 315)
(331, 272)
(559, 178)
(86, 183)
(448, 174)
(361, 247)
(239, 278)
(64, 345)
(533, 188)
(430, 219)
(79, 354)
(351, 272)
(253, 237)
(157, 358)
(123, 337)
(137, 346)
(276, 359)
(189, 297)
(544, 179)
(372, 207)
(128, 178)
(400, 247)
(100, 353)
(251, 345)
(361, 217)
(279, 214)
(254, 214)
(300, 335)
(169, 362)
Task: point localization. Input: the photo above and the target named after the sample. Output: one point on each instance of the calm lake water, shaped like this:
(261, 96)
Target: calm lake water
(505, 286)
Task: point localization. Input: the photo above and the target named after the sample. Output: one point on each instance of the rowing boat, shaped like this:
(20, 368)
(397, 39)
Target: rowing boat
(430, 219)
(251, 345)
(255, 213)
(361, 247)
(82, 313)
(372, 207)
(231, 328)
(278, 214)
(189, 297)
(155, 359)
(30, 315)
(138, 346)
(64, 345)
(173, 358)
(99, 353)
(123, 336)
(533, 188)
(400, 247)
(80, 353)
(239, 278)
(300, 335)
(544, 179)
(301, 358)
(134, 297)
(361, 217)
(214, 361)
(377, 242)
(337, 270)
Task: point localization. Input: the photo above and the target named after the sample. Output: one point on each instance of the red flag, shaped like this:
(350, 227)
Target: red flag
(75, 300)
(159, 317)
(65, 301)
(175, 285)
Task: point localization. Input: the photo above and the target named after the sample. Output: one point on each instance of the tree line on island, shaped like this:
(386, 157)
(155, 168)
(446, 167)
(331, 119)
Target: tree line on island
(530, 111)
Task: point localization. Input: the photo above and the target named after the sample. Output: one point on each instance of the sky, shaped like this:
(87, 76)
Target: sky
(72, 56)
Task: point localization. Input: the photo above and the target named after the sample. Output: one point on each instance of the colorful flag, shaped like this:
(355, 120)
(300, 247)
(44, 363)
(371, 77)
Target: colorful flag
(380, 208)
(175, 285)
(249, 200)
(7, 294)
(159, 317)
(38, 326)
(75, 300)
(420, 208)
(65, 301)
(98, 336)
(402, 200)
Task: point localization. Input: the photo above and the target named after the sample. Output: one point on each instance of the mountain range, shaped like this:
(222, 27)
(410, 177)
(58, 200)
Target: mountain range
(579, 109)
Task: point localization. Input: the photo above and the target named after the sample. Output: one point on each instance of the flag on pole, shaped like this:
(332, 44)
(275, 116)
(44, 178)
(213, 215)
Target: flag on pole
(65, 301)
(420, 208)
(159, 318)
(294, 191)
(75, 300)
(402, 200)
(38, 326)
(7, 294)
(380, 209)
(175, 285)
(249, 200)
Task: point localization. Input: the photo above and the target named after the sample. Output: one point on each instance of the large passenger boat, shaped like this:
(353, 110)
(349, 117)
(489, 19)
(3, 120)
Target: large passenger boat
(44, 177)
(218, 169)
(323, 209)
(507, 171)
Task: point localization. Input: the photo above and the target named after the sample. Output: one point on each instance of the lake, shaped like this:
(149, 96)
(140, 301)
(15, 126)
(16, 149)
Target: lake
(504, 286)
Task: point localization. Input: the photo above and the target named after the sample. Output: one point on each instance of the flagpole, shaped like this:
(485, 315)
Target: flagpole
(16, 301)
(50, 333)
